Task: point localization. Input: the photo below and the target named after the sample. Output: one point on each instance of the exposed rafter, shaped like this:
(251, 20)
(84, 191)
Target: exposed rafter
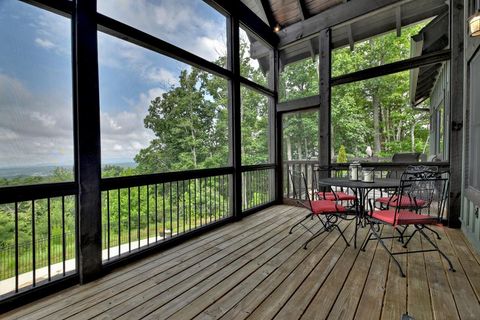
(304, 14)
(268, 13)
(303, 9)
(398, 20)
(336, 15)
(351, 41)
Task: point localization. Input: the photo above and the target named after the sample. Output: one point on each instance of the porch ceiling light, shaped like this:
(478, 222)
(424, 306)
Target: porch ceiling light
(474, 21)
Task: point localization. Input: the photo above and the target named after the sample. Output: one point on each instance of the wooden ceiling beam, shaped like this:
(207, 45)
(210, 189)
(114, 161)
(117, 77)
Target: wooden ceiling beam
(305, 14)
(336, 15)
(350, 37)
(247, 17)
(269, 13)
(398, 20)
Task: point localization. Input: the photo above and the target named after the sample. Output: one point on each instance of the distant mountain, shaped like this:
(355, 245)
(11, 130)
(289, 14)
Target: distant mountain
(34, 171)
(46, 170)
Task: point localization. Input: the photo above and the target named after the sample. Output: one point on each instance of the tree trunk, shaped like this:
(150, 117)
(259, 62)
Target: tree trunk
(399, 131)
(289, 158)
(194, 151)
(305, 141)
(412, 135)
(376, 124)
(289, 149)
(299, 149)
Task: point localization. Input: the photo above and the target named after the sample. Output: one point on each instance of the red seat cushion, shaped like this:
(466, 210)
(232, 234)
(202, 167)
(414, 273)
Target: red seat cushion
(342, 196)
(405, 201)
(404, 217)
(326, 206)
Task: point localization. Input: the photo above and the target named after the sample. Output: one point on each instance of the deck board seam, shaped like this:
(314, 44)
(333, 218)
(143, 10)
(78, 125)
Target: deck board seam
(278, 223)
(272, 234)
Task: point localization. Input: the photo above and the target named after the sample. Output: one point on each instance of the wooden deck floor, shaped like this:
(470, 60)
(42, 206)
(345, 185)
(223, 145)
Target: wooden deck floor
(254, 269)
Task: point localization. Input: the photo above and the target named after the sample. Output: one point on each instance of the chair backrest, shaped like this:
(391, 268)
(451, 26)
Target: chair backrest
(300, 190)
(320, 172)
(426, 188)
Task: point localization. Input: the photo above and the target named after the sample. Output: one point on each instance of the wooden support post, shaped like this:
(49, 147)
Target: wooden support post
(87, 140)
(457, 29)
(275, 131)
(350, 37)
(325, 96)
(235, 115)
(398, 20)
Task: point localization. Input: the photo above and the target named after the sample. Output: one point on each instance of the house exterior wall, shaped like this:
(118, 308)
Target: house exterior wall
(471, 198)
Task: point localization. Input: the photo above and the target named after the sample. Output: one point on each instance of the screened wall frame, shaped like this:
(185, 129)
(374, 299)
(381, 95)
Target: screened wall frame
(323, 100)
(86, 22)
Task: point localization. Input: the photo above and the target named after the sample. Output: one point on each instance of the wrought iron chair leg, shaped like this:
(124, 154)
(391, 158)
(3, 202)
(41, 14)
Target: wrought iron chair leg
(436, 247)
(389, 253)
(366, 241)
(409, 238)
(319, 232)
(324, 224)
(300, 222)
(436, 233)
(401, 233)
(341, 233)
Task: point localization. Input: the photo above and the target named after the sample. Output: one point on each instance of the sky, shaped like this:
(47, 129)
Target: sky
(36, 123)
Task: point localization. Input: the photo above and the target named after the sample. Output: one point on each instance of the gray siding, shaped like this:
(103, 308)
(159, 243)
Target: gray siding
(471, 198)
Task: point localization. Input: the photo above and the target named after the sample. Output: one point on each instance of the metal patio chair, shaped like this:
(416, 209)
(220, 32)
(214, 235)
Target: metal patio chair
(424, 194)
(327, 192)
(420, 196)
(328, 212)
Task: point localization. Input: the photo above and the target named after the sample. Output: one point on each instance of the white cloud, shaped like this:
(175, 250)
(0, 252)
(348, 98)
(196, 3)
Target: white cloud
(52, 33)
(162, 75)
(46, 120)
(178, 22)
(45, 43)
(34, 129)
(124, 133)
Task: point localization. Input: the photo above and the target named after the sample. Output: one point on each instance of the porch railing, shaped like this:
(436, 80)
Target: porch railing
(38, 243)
(257, 186)
(141, 211)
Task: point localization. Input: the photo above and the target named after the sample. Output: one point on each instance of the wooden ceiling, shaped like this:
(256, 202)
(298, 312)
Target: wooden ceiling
(288, 12)
(350, 21)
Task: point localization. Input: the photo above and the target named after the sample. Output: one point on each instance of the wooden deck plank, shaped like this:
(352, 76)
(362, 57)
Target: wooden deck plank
(395, 299)
(123, 301)
(418, 294)
(349, 298)
(237, 280)
(111, 289)
(443, 304)
(259, 282)
(469, 263)
(250, 302)
(190, 303)
(467, 303)
(254, 269)
(179, 253)
(313, 291)
(317, 262)
(370, 305)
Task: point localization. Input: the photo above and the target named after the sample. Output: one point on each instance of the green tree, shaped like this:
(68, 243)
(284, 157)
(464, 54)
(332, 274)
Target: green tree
(342, 155)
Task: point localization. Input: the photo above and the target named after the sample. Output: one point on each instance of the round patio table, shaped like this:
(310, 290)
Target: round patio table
(361, 190)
